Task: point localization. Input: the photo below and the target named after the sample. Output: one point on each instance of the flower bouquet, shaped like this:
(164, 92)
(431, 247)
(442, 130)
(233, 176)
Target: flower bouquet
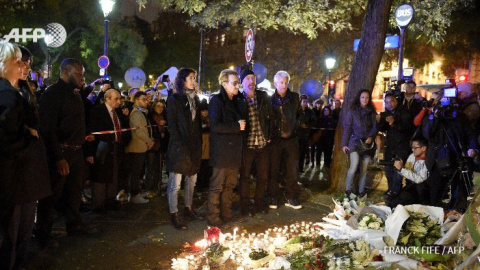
(415, 225)
(217, 254)
(258, 258)
(212, 234)
(371, 221)
(362, 255)
(419, 230)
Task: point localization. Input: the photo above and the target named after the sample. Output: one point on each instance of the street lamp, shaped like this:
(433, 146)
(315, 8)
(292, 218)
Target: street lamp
(120, 84)
(330, 64)
(107, 7)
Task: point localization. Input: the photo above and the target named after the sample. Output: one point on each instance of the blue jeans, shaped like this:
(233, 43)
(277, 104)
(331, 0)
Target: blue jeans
(354, 163)
(174, 184)
(394, 179)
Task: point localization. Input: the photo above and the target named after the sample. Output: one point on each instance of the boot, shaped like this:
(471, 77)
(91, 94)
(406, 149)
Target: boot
(177, 223)
(189, 213)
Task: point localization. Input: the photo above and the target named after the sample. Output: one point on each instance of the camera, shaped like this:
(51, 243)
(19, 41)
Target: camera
(384, 162)
(395, 88)
(448, 106)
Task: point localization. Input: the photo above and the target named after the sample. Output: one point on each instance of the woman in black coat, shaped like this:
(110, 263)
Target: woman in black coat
(228, 111)
(185, 145)
(23, 166)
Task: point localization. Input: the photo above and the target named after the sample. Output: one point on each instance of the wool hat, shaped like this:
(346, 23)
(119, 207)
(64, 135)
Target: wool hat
(245, 73)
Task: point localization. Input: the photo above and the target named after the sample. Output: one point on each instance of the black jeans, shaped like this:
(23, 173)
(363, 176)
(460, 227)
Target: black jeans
(261, 157)
(135, 161)
(289, 148)
(220, 196)
(66, 193)
(303, 144)
(18, 226)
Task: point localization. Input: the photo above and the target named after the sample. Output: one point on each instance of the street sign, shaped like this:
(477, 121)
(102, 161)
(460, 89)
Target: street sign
(103, 61)
(408, 74)
(391, 42)
(102, 72)
(404, 15)
(249, 45)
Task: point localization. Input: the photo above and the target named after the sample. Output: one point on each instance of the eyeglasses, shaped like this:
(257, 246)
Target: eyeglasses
(416, 147)
(233, 83)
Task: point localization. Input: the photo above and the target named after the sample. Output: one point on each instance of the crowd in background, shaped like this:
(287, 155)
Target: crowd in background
(55, 139)
(52, 139)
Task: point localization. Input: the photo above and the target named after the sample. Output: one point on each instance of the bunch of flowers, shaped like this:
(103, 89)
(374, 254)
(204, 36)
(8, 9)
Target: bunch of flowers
(362, 254)
(212, 234)
(419, 230)
(371, 221)
(258, 254)
(217, 254)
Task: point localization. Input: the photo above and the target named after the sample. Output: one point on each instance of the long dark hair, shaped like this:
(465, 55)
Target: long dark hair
(151, 108)
(180, 79)
(356, 102)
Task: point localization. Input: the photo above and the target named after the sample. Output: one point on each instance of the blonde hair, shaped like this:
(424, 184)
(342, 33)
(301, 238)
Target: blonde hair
(8, 52)
(223, 77)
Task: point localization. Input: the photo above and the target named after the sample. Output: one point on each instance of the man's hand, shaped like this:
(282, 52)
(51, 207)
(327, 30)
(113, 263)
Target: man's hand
(90, 138)
(242, 124)
(398, 164)
(62, 167)
(150, 145)
(390, 120)
(90, 160)
(33, 132)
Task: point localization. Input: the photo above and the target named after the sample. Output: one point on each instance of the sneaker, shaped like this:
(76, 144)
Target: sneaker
(122, 197)
(139, 199)
(293, 204)
(273, 204)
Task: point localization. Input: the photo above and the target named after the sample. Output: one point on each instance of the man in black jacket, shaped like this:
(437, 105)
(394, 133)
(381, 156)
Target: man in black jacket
(62, 124)
(228, 111)
(106, 152)
(306, 120)
(409, 102)
(259, 124)
(397, 123)
(286, 106)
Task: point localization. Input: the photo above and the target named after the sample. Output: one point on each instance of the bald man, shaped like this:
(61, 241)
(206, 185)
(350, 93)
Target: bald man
(106, 152)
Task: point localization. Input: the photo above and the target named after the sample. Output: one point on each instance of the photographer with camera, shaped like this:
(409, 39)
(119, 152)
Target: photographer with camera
(416, 173)
(451, 145)
(396, 122)
(467, 100)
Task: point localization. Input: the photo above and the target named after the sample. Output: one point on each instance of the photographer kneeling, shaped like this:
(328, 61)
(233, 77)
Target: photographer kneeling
(416, 173)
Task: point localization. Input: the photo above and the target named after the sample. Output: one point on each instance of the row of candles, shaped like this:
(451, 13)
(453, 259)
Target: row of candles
(242, 244)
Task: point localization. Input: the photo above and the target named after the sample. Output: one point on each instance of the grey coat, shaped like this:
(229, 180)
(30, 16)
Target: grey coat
(359, 124)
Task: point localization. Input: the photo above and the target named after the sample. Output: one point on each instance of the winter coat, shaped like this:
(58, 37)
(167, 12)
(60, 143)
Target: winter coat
(226, 139)
(141, 137)
(286, 111)
(265, 113)
(359, 124)
(397, 141)
(23, 164)
(184, 154)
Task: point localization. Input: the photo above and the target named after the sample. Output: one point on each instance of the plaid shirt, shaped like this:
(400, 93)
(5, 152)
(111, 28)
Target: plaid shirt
(255, 134)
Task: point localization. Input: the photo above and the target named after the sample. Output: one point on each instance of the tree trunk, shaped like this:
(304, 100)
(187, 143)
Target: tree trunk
(363, 75)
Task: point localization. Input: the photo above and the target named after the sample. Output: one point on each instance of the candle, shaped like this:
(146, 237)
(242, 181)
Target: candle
(235, 233)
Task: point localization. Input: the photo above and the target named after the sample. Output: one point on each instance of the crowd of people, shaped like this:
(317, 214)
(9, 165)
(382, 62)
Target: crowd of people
(53, 138)
(431, 144)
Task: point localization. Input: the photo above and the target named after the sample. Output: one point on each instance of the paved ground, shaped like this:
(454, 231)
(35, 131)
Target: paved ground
(141, 237)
